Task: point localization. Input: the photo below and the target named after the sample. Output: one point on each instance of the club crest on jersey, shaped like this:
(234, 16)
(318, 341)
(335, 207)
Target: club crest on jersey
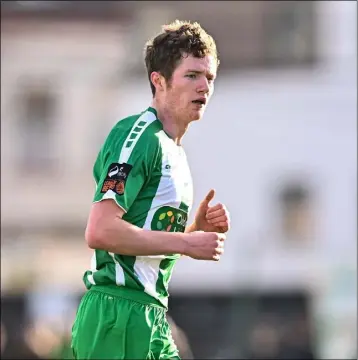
(116, 178)
(169, 219)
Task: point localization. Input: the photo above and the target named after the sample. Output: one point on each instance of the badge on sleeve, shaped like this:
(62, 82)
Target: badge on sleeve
(116, 178)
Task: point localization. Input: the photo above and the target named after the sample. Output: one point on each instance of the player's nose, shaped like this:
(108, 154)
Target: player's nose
(203, 87)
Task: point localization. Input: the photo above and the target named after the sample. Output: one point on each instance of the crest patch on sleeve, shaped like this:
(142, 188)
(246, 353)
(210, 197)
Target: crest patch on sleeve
(116, 178)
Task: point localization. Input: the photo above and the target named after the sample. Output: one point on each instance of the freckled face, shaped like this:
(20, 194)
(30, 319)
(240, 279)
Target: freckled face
(190, 88)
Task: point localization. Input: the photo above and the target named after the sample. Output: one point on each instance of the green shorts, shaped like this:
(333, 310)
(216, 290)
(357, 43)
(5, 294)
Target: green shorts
(111, 326)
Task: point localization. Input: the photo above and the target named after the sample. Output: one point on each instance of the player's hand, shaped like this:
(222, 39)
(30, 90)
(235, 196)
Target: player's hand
(202, 245)
(212, 218)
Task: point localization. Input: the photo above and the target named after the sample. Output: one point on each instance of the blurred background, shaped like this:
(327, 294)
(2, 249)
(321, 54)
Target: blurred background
(278, 142)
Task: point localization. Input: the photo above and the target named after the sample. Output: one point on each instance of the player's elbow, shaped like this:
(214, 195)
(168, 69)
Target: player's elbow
(100, 233)
(95, 234)
(102, 227)
(93, 238)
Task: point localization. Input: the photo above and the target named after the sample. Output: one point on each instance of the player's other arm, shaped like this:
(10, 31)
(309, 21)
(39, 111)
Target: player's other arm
(106, 230)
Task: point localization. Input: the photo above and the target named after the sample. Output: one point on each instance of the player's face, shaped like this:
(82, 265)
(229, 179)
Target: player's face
(190, 88)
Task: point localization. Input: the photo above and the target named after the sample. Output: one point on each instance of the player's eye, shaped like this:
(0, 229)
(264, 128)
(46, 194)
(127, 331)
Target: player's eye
(191, 76)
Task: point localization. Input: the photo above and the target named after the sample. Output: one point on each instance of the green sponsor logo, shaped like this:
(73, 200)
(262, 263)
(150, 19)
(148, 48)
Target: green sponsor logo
(169, 219)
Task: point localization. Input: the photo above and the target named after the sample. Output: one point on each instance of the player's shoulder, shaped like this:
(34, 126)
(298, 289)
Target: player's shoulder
(141, 127)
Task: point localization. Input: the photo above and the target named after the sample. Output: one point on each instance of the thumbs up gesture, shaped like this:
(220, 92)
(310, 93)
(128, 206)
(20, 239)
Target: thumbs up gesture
(212, 218)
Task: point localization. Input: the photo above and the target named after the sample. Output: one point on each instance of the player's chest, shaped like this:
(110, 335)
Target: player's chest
(175, 184)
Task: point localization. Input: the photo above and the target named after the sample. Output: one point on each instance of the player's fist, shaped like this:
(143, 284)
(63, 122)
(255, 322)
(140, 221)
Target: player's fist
(204, 245)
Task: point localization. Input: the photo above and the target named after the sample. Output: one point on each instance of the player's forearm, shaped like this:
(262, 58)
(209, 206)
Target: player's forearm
(121, 237)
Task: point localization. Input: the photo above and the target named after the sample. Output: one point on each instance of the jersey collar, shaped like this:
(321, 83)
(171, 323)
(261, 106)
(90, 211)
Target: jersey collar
(154, 111)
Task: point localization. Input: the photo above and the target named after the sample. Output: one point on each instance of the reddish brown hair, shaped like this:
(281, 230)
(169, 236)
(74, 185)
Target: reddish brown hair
(164, 52)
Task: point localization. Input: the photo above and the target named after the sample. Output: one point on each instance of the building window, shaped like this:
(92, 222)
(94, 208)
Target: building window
(288, 35)
(37, 114)
(295, 212)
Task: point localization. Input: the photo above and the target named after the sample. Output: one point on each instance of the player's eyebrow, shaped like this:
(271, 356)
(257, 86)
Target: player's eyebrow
(199, 72)
(195, 71)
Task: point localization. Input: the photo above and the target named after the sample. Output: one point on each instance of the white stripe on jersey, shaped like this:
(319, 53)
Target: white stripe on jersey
(93, 269)
(147, 271)
(120, 279)
(148, 117)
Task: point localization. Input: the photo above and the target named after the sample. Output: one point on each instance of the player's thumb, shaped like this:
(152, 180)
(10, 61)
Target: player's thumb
(209, 196)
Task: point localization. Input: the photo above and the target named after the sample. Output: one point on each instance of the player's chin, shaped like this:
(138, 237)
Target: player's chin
(196, 115)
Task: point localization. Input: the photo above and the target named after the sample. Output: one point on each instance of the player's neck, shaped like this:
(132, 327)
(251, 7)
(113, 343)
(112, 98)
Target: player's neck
(171, 125)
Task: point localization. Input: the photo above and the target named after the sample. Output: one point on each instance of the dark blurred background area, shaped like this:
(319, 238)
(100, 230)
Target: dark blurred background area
(278, 142)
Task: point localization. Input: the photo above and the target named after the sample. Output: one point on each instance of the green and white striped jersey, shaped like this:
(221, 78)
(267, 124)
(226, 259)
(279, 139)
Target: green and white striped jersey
(147, 174)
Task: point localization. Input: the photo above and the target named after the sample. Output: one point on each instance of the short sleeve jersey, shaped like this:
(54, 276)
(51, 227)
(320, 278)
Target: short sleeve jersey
(142, 169)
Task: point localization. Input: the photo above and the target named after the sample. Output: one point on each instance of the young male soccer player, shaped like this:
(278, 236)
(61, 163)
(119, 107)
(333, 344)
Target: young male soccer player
(137, 223)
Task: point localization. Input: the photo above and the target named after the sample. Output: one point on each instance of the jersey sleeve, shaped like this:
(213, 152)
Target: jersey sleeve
(123, 166)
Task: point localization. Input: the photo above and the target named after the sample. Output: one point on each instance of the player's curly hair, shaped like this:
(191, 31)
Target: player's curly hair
(164, 52)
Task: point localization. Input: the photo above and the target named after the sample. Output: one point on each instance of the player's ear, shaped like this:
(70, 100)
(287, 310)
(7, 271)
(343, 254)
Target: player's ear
(157, 80)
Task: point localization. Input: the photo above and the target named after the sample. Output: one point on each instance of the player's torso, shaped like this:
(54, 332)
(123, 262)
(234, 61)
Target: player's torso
(169, 191)
(162, 204)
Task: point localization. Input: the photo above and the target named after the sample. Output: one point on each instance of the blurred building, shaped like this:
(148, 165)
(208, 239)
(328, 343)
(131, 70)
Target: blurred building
(278, 142)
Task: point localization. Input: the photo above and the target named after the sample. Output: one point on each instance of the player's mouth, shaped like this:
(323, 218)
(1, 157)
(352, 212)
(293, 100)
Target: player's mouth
(201, 101)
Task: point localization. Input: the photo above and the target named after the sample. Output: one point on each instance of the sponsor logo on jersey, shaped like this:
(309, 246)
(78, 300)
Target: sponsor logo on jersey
(169, 219)
(116, 178)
